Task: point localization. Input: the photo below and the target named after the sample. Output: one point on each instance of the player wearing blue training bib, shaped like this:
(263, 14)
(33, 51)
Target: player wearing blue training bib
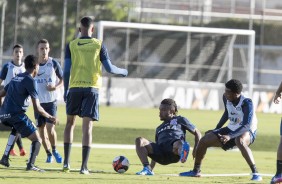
(48, 79)
(240, 131)
(84, 59)
(10, 70)
(15, 105)
(170, 145)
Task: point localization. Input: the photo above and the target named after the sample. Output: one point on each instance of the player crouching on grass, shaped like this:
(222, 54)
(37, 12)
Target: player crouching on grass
(240, 132)
(170, 146)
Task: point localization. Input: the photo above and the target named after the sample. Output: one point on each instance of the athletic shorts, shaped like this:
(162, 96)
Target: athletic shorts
(163, 154)
(83, 102)
(231, 143)
(51, 108)
(21, 123)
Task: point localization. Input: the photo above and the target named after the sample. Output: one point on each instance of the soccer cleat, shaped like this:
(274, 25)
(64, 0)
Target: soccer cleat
(13, 152)
(145, 171)
(49, 159)
(5, 161)
(31, 167)
(256, 177)
(22, 152)
(66, 168)
(191, 173)
(276, 179)
(57, 156)
(184, 152)
(84, 171)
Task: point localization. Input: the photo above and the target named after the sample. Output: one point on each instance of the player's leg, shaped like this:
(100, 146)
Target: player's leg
(51, 108)
(143, 149)
(68, 139)
(277, 178)
(45, 139)
(208, 140)
(181, 148)
(52, 134)
(13, 151)
(87, 125)
(11, 141)
(27, 129)
(20, 145)
(243, 142)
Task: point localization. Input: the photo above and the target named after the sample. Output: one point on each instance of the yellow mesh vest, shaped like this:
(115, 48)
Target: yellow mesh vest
(86, 67)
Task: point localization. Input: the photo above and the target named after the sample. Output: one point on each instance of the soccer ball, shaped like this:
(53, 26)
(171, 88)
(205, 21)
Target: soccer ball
(120, 164)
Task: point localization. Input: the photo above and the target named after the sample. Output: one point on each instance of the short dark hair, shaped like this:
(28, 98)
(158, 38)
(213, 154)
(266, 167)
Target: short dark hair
(234, 85)
(170, 102)
(17, 46)
(42, 41)
(30, 61)
(86, 21)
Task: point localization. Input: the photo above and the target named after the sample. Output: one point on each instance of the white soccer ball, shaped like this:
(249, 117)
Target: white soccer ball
(120, 164)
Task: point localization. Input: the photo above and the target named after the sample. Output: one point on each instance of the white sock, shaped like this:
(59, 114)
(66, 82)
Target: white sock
(11, 140)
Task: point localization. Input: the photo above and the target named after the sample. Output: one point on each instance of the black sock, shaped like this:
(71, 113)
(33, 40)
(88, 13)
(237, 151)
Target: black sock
(278, 167)
(146, 164)
(35, 147)
(253, 168)
(19, 142)
(48, 152)
(67, 150)
(197, 168)
(85, 156)
(53, 148)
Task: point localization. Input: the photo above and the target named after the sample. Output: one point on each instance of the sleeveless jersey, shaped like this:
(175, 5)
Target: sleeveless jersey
(235, 115)
(47, 76)
(11, 70)
(86, 67)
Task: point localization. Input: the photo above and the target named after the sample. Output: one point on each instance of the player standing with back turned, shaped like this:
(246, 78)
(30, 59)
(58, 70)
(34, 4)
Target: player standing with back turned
(84, 58)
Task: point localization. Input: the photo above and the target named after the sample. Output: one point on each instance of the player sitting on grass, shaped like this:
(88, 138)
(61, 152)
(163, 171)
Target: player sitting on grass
(170, 146)
(240, 132)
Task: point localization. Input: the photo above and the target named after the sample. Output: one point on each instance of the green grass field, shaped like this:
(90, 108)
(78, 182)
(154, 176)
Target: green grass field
(122, 126)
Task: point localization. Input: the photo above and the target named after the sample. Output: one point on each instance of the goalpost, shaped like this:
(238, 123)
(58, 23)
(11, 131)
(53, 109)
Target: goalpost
(180, 52)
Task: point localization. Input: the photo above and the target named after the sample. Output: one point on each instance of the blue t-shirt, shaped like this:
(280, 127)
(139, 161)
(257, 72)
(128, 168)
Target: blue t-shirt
(17, 94)
(172, 130)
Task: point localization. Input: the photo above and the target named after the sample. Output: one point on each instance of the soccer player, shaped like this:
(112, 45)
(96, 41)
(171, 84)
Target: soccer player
(240, 132)
(15, 105)
(46, 79)
(84, 58)
(170, 145)
(10, 70)
(277, 178)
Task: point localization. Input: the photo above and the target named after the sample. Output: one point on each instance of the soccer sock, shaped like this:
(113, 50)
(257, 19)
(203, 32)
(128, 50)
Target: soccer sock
(19, 142)
(146, 164)
(197, 168)
(85, 156)
(278, 167)
(34, 150)
(48, 152)
(10, 144)
(53, 148)
(254, 168)
(67, 150)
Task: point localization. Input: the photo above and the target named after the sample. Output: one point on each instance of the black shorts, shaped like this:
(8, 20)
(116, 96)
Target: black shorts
(231, 143)
(163, 154)
(51, 108)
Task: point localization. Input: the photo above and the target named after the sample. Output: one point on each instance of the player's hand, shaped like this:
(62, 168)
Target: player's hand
(51, 87)
(224, 138)
(54, 120)
(276, 98)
